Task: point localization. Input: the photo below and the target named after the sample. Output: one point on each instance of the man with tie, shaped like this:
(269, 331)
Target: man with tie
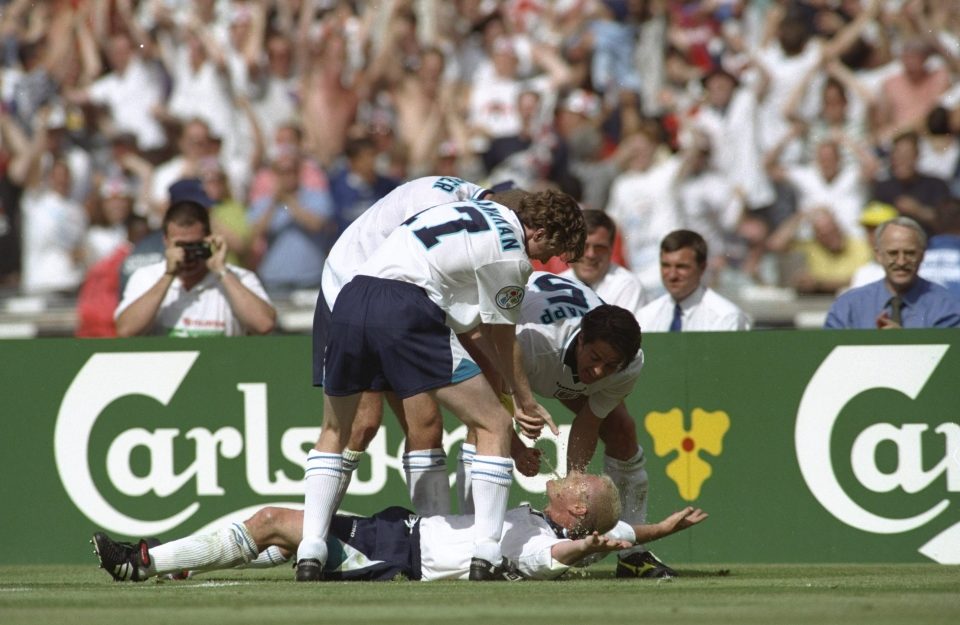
(688, 305)
(902, 299)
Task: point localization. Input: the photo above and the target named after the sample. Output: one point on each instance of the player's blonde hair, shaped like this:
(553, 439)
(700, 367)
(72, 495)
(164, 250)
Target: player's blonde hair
(602, 500)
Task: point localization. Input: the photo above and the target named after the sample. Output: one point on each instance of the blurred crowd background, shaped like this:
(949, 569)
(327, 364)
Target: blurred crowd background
(783, 131)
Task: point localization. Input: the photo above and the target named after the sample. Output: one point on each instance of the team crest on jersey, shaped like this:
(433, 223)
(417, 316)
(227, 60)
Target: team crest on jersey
(510, 297)
(563, 392)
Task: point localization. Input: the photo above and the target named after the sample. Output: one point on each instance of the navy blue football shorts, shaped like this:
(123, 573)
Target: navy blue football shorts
(389, 335)
(321, 321)
(322, 317)
(374, 548)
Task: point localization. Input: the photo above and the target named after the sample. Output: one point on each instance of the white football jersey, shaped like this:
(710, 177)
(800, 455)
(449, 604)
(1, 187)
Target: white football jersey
(369, 230)
(468, 256)
(549, 324)
(446, 545)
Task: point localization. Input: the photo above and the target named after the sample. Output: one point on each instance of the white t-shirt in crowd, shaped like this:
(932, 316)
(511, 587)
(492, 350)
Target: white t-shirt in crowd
(204, 310)
(131, 97)
(53, 227)
(644, 206)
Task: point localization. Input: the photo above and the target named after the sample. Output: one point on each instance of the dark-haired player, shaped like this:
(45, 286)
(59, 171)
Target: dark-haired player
(587, 355)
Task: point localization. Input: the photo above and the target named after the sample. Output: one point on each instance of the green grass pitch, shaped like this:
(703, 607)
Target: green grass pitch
(705, 595)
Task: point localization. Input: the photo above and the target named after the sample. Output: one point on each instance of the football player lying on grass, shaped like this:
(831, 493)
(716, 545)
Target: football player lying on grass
(581, 511)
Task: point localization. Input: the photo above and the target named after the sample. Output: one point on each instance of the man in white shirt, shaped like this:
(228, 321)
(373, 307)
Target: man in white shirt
(688, 305)
(443, 272)
(613, 283)
(193, 291)
(130, 92)
(395, 542)
(643, 204)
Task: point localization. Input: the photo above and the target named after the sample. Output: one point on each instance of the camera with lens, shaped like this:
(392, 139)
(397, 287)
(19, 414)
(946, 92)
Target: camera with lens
(198, 250)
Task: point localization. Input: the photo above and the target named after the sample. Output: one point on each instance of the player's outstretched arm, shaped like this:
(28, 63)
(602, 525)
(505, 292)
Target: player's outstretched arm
(570, 552)
(676, 522)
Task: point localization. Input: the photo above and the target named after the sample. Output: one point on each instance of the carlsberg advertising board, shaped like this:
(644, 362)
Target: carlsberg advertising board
(803, 446)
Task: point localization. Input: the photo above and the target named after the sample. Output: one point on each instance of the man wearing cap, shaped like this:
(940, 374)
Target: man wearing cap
(193, 291)
(902, 299)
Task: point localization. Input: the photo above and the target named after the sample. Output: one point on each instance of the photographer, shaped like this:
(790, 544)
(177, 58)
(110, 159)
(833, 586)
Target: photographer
(193, 291)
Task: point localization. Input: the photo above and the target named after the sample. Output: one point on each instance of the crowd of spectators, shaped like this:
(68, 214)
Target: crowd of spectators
(767, 126)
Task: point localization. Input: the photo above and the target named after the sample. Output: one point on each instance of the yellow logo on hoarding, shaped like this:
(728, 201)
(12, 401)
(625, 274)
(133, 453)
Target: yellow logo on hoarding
(688, 470)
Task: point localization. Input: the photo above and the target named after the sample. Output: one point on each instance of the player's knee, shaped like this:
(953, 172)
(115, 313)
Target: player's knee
(265, 518)
(272, 525)
(614, 429)
(361, 434)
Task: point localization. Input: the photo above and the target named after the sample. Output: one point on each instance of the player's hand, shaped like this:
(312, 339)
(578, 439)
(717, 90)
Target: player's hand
(601, 543)
(525, 459)
(682, 519)
(531, 417)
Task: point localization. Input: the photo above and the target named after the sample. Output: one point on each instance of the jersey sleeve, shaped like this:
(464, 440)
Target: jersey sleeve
(500, 287)
(605, 400)
(621, 384)
(536, 560)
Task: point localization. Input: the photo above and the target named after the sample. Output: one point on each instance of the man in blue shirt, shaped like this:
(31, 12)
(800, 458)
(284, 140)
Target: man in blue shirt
(902, 299)
(357, 185)
(298, 225)
(941, 263)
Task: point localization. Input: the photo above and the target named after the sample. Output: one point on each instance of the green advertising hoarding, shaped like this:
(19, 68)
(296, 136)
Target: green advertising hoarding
(802, 446)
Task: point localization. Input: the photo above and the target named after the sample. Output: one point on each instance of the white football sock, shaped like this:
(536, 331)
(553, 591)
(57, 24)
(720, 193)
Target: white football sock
(321, 483)
(351, 460)
(491, 479)
(427, 481)
(268, 558)
(222, 549)
(630, 477)
(464, 468)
